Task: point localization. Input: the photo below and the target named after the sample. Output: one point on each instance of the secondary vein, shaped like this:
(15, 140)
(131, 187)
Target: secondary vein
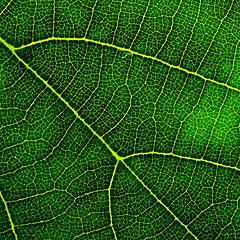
(9, 216)
(122, 49)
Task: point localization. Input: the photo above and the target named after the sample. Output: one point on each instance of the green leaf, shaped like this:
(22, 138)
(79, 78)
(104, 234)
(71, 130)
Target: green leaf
(119, 119)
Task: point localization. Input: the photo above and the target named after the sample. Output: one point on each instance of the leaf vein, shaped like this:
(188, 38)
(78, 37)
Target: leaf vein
(121, 49)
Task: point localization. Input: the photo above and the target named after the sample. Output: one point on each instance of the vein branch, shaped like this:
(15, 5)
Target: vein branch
(166, 207)
(6, 7)
(89, 24)
(180, 156)
(9, 216)
(140, 26)
(120, 49)
(215, 36)
(54, 13)
(109, 195)
(10, 47)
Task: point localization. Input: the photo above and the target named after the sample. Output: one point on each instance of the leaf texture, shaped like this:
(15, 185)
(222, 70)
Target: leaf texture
(119, 119)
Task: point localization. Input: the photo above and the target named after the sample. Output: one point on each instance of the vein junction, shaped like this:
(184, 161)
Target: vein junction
(119, 158)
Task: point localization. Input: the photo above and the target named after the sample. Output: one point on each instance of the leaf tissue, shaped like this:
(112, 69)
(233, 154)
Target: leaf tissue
(119, 119)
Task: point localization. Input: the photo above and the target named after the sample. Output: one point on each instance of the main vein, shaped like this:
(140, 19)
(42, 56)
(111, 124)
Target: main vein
(126, 50)
(10, 47)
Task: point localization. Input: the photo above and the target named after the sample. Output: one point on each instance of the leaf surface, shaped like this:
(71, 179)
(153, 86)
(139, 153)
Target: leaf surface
(119, 119)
